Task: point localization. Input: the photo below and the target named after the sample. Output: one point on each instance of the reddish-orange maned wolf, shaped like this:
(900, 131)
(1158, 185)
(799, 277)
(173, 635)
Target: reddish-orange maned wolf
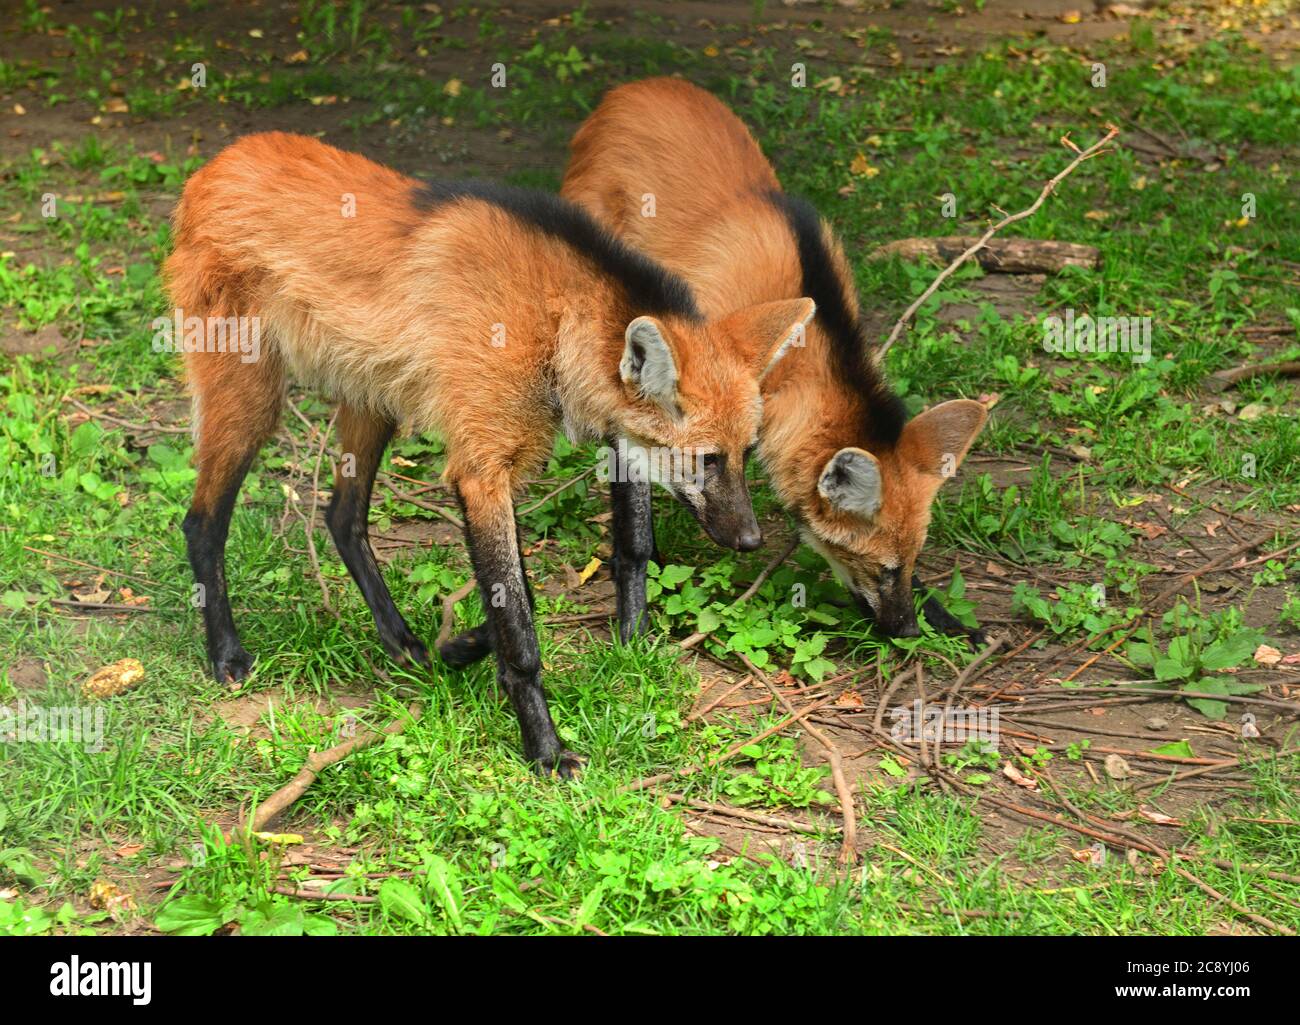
(674, 172)
(491, 316)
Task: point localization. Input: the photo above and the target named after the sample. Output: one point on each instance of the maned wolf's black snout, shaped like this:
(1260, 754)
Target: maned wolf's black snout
(897, 617)
(908, 628)
(728, 515)
(898, 613)
(743, 537)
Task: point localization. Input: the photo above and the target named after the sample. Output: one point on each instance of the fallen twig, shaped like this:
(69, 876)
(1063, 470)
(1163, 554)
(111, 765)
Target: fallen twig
(356, 898)
(750, 591)
(1291, 707)
(533, 506)
(449, 610)
(1004, 255)
(316, 763)
(1225, 379)
(415, 500)
(751, 816)
(142, 428)
(309, 524)
(849, 846)
(101, 606)
(89, 565)
(1095, 149)
(1215, 563)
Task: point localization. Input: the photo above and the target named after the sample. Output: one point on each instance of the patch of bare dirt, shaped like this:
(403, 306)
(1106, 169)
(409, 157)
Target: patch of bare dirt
(28, 674)
(249, 714)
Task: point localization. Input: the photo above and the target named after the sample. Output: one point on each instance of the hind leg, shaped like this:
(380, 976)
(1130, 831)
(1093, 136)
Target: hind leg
(364, 436)
(236, 408)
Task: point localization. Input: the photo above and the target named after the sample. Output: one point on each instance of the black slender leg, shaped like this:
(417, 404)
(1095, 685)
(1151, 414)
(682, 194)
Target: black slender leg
(634, 546)
(205, 542)
(633, 543)
(467, 648)
(364, 438)
(944, 621)
(507, 601)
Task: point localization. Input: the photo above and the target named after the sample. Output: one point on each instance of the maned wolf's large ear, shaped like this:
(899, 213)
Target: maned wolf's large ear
(770, 330)
(939, 438)
(850, 481)
(647, 364)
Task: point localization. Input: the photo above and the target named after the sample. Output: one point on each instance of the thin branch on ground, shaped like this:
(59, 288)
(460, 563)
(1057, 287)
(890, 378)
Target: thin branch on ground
(309, 523)
(141, 428)
(793, 825)
(90, 565)
(449, 610)
(1096, 149)
(849, 846)
(1209, 567)
(317, 762)
(750, 591)
(1225, 379)
(422, 503)
(534, 506)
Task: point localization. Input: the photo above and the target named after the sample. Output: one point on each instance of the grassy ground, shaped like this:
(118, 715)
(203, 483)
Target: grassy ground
(1098, 485)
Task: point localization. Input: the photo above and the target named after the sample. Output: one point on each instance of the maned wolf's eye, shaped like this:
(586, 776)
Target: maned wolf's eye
(713, 462)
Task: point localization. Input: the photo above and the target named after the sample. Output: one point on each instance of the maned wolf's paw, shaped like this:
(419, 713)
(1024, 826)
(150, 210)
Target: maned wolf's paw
(233, 666)
(978, 638)
(466, 649)
(407, 649)
(566, 765)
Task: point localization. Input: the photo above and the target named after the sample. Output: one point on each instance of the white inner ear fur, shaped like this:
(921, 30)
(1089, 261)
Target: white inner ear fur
(648, 364)
(850, 481)
(795, 333)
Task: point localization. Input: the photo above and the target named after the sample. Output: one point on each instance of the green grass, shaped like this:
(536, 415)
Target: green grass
(492, 848)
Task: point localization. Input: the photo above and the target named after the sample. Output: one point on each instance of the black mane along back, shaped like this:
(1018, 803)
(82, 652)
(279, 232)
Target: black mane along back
(649, 287)
(883, 411)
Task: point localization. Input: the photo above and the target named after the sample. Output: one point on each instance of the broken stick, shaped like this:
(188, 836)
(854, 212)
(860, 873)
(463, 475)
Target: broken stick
(1002, 255)
(1095, 149)
(1225, 379)
(317, 762)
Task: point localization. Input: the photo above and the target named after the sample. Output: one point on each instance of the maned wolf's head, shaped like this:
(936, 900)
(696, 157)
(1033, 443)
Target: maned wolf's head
(693, 407)
(868, 514)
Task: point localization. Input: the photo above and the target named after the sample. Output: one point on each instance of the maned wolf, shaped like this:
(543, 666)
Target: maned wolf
(491, 316)
(835, 441)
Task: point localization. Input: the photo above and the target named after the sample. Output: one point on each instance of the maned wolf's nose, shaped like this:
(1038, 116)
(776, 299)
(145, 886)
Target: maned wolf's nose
(901, 624)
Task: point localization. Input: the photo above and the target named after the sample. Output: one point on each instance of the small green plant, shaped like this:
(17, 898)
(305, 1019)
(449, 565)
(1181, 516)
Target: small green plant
(1075, 749)
(778, 778)
(1272, 573)
(233, 885)
(1289, 615)
(18, 918)
(979, 753)
(562, 64)
(1079, 607)
(1038, 758)
(1196, 655)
